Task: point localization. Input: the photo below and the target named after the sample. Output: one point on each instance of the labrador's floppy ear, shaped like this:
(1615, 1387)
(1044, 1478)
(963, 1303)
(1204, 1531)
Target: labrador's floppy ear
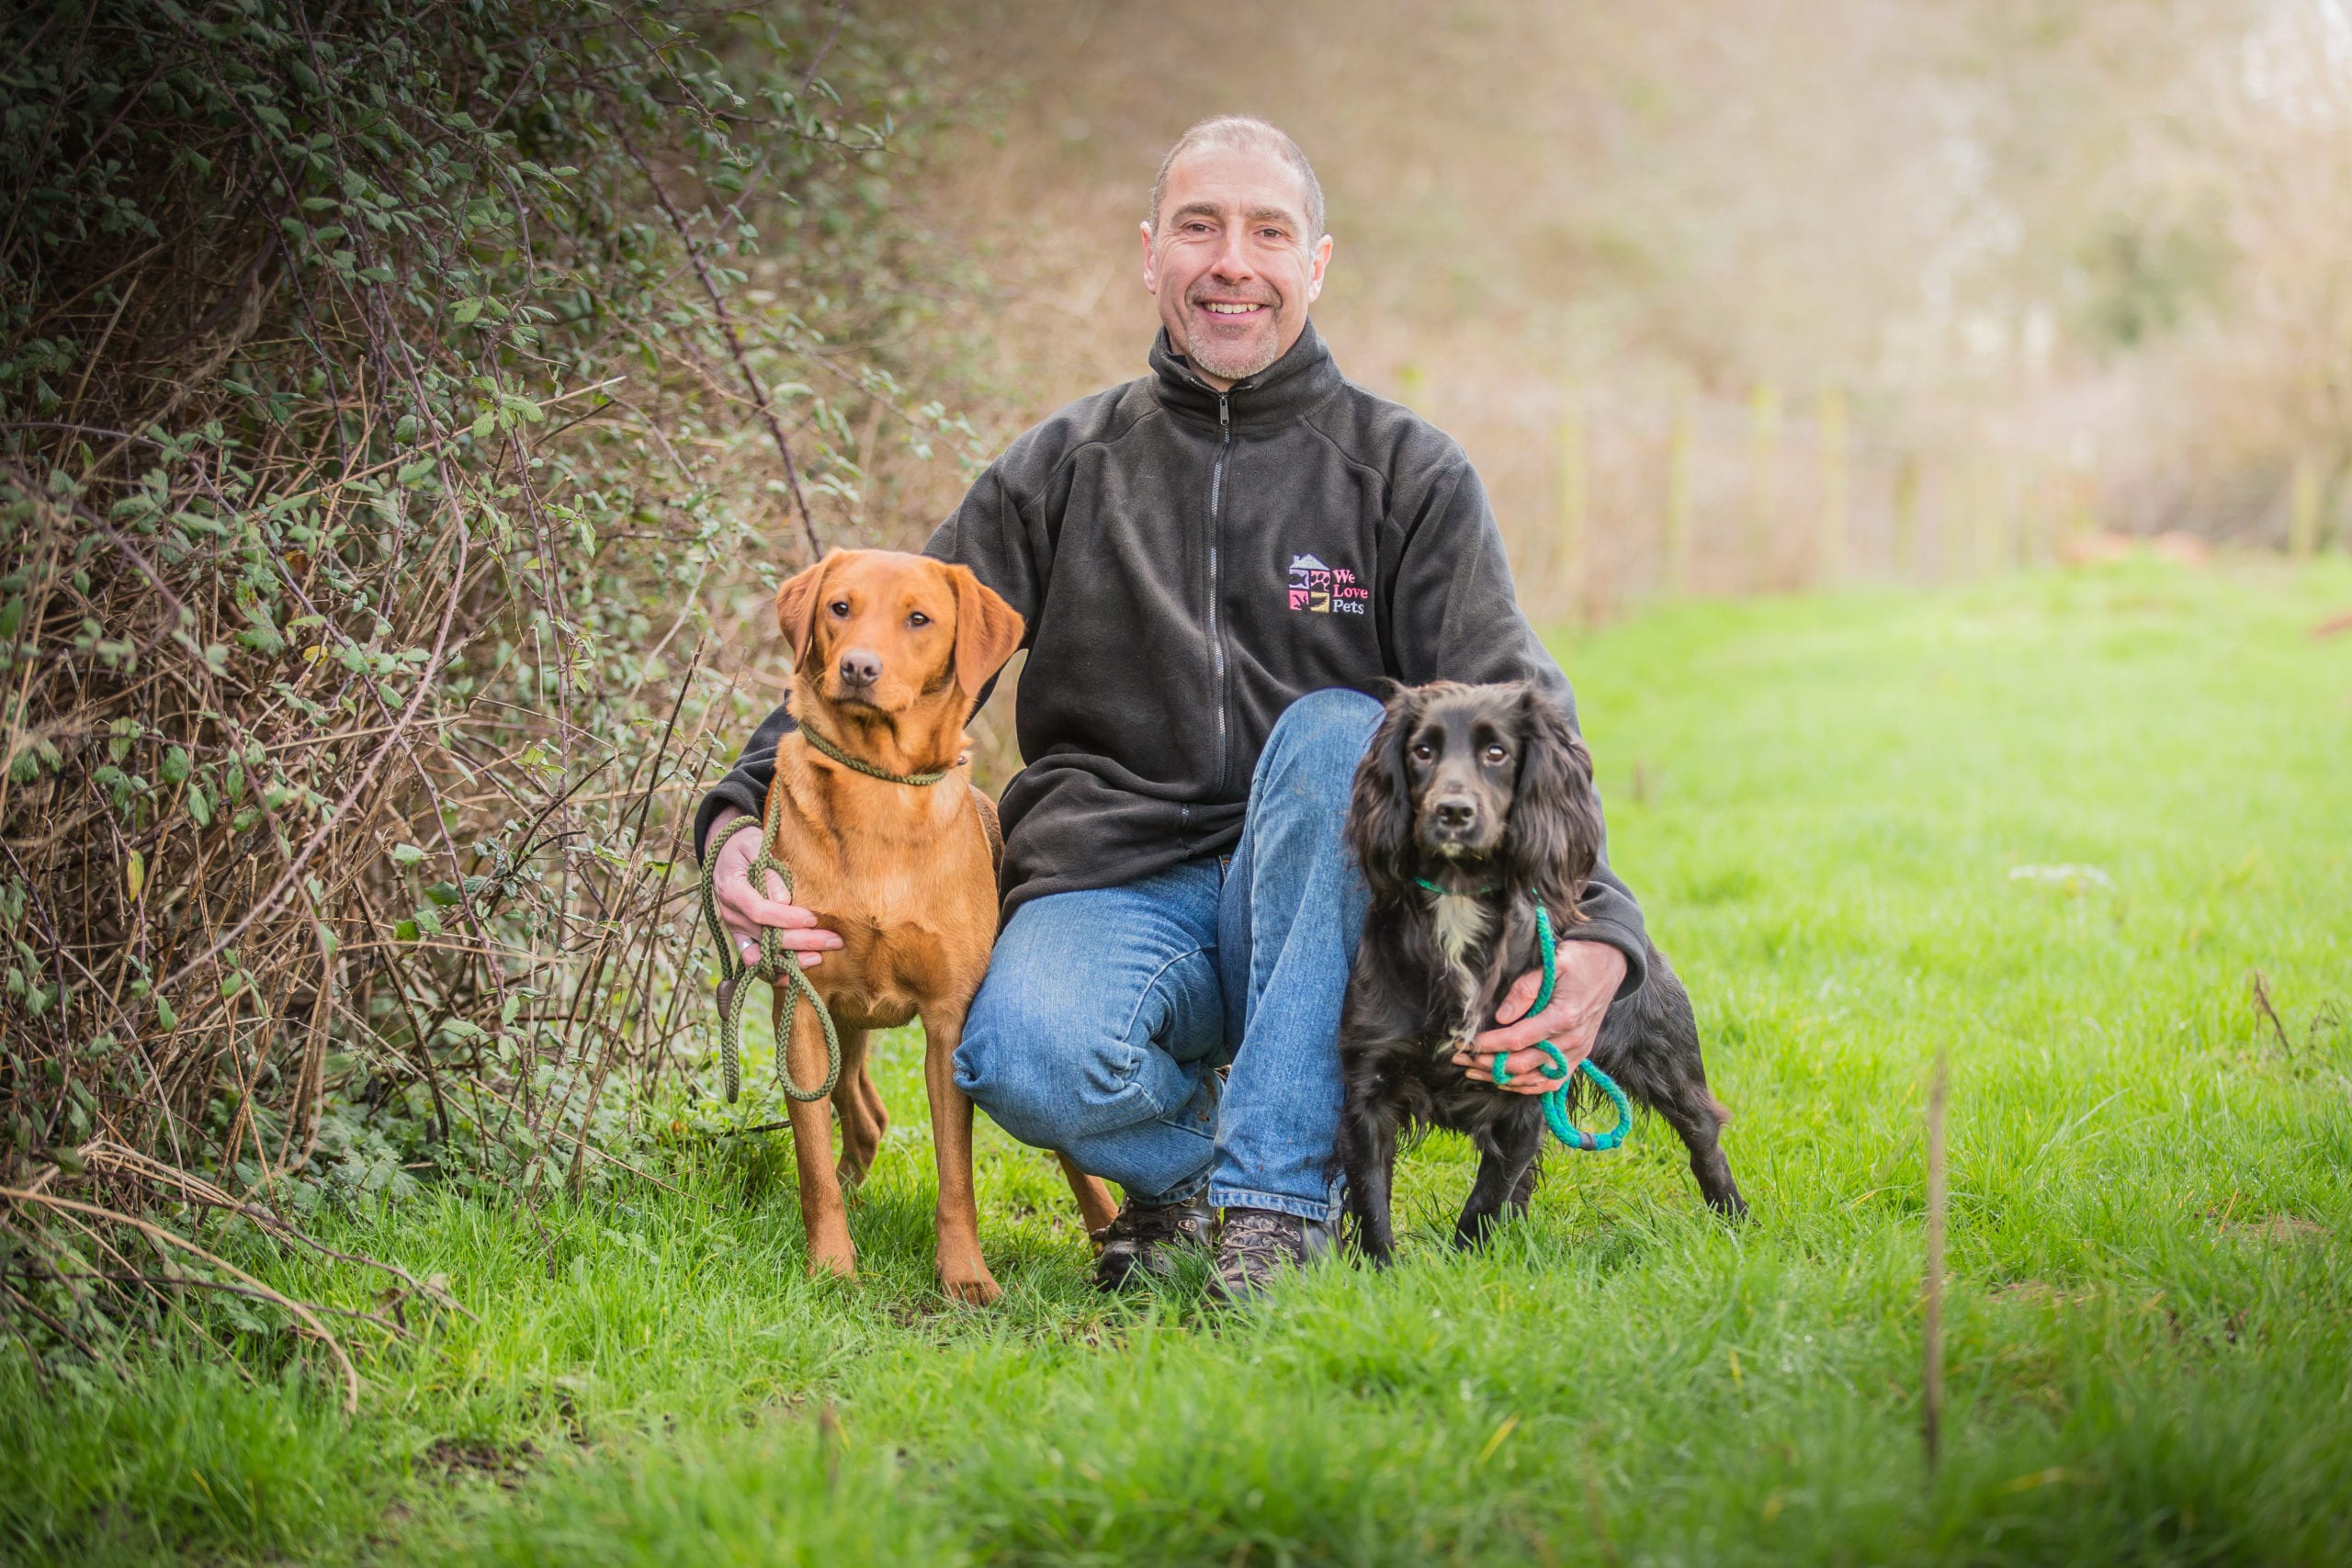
(796, 607)
(1380, 815)
(988, 630)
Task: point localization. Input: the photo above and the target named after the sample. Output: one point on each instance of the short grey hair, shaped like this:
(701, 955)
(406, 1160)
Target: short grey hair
(1243, 133)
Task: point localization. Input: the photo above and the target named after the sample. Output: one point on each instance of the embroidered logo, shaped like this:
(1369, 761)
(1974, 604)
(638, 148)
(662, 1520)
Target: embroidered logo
(1322, 589)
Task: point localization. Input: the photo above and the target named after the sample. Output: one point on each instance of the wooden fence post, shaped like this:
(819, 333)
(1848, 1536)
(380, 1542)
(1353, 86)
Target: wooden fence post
(2302, 511)
(1984, 508)
(1905, 543)
(1932, 1283)
(1829, 547)
(1576, 502)
(1678, 446)
(1763, 479)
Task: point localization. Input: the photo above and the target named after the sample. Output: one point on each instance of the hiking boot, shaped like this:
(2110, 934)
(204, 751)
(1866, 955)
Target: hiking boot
(1142, 1237)
(1258, 1243)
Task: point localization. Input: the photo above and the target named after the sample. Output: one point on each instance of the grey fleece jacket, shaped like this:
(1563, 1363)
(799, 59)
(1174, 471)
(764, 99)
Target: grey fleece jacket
(1189, 563)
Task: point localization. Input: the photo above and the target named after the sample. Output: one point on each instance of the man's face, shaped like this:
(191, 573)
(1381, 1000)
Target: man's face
(1231, 262)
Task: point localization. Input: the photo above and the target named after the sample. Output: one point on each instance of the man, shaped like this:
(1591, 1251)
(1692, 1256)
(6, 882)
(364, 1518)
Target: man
(1217, 563)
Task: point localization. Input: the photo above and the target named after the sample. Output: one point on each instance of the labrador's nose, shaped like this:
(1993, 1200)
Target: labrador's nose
(1455, 811)
(861, 667)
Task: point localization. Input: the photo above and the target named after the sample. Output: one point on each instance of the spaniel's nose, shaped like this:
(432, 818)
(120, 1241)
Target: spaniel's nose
(860, 668)
(1456, 811)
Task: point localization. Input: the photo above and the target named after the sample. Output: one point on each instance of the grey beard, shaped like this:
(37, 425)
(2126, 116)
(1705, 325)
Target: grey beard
(1239, 368)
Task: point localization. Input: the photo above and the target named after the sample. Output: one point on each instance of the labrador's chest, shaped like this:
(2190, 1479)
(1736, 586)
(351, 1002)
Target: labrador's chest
(915, 910)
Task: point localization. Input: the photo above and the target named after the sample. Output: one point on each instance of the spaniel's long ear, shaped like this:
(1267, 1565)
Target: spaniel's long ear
(796, 607)
(988, 630)
(1555, 827)
(1380, 816)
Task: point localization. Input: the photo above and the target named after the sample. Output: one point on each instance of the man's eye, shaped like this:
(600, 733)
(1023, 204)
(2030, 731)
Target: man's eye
(918, 619)
(840, 607)
(1496, 754)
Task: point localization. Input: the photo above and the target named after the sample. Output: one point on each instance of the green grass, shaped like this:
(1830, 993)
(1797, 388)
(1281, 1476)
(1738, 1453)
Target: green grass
(1823, 803)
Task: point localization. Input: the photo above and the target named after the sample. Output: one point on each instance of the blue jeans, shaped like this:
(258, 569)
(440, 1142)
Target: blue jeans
(1107, 1013)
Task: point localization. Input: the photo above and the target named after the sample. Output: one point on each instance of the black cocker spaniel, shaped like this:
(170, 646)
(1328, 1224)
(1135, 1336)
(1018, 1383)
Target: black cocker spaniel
(1472, 804)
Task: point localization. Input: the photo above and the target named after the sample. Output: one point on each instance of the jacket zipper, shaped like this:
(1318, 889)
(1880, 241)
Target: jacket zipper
(1216, 629)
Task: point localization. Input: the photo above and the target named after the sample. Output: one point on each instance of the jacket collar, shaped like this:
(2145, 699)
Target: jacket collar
(1274, 397)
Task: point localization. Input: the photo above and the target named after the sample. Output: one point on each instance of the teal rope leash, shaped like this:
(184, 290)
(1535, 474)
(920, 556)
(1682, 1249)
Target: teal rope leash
(1556, 1100)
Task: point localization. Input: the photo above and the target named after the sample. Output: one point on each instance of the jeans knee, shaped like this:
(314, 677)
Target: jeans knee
(1038, 1072)
(1318, 741)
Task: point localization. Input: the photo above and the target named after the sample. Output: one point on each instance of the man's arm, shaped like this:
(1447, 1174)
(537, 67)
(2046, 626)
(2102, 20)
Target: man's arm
(1453, 616)
(745, 787)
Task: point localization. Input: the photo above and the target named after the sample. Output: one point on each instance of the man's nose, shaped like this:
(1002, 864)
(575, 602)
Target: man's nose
(1454, 811)
(861, 667)
(1232, 263)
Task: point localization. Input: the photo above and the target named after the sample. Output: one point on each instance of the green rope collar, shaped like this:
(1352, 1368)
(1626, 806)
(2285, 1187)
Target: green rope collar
(1556, 1100)
(869, 769)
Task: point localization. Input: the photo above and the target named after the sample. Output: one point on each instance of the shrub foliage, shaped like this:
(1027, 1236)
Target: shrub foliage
(378, 399)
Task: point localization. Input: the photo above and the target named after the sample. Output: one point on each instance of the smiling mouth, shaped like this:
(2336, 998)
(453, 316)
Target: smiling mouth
(1234, 307)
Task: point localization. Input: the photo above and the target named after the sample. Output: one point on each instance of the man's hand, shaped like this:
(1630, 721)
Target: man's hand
(743, 911)
(1589, 973)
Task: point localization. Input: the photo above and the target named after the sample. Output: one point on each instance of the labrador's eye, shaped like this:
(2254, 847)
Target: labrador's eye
(840, 607)
(918, 620)
(1424, 752)
(1496, 754)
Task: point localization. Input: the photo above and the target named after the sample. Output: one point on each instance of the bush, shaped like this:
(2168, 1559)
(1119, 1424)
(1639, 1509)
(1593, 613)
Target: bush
(378, 399)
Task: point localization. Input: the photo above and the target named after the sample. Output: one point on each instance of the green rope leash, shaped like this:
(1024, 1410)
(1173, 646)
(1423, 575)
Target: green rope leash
(774, 963)
(1556, 1100)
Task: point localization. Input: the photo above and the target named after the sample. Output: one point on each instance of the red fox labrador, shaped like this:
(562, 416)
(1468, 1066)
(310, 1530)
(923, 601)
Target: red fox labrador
(890, 654)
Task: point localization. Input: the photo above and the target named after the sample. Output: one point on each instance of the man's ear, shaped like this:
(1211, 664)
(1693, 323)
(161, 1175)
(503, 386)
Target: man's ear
(796, 607)
(988, 630)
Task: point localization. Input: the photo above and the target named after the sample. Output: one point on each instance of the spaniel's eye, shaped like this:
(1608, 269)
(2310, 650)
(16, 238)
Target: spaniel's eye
(840, 607)
(1424, 752)
(918, 620)
(1495, 754)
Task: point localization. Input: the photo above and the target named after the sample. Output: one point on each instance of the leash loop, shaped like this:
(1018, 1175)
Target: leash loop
(1556, 1100)
(776, 964)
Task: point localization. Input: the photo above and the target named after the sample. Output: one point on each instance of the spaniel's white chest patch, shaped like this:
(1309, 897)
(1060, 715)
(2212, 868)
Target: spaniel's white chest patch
(1461, 922)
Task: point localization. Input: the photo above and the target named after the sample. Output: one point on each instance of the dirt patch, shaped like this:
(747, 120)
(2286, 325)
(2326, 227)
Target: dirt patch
(2039, 1292)
(2274, 1228)
(465, 1458)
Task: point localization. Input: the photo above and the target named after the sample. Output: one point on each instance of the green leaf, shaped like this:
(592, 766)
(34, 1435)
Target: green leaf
(465, 310)
(404, 932)
(406, 854)
(485, 423)
(165, 1015)
(443, 893)
(175, 767)
(198, 807)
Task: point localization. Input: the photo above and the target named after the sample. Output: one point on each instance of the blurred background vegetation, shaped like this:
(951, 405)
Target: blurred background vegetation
(406, 411)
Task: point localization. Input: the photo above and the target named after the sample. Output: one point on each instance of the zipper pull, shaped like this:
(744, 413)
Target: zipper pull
(1224, 415)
